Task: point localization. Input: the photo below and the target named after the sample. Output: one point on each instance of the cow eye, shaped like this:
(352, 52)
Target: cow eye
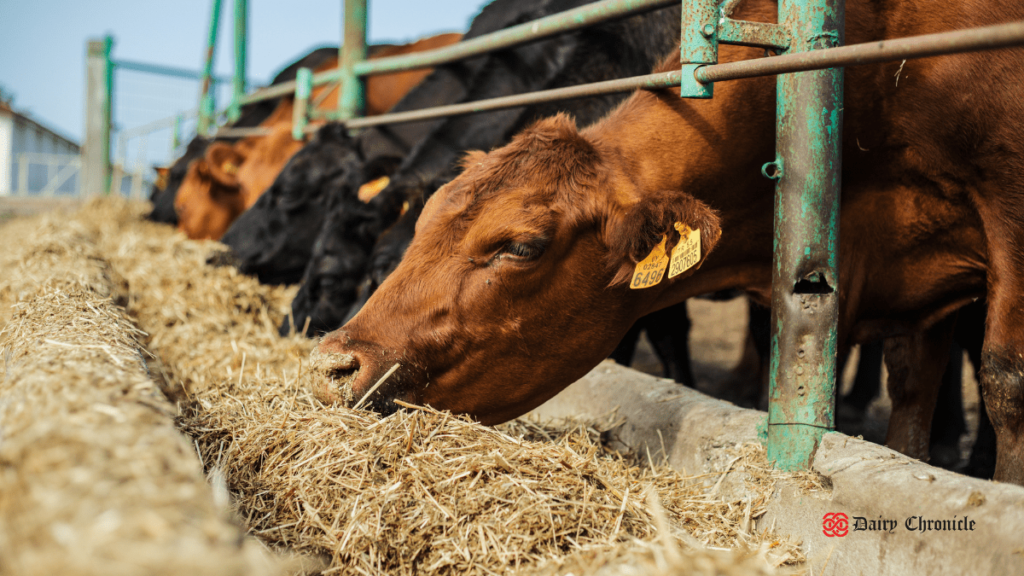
(523, 250)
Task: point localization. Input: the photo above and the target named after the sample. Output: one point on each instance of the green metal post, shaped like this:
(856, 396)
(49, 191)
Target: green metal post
(207, 94)
(238, 82)
(352, 100)
(805, 276)
(698, 45)
(176, 133)
(300, 112)
(108, 108)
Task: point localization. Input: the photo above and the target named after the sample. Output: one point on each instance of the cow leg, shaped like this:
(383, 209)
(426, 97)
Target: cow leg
(948, 422)
(916, 364)
(669, 333)
(867, 382)
(1002, 381)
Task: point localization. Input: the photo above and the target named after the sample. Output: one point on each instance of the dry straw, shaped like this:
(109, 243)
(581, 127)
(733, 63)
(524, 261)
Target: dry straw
(420, 491)
(94, 478)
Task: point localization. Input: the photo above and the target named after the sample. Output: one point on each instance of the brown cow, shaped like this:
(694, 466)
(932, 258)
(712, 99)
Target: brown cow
(516, 281)
(231, 177)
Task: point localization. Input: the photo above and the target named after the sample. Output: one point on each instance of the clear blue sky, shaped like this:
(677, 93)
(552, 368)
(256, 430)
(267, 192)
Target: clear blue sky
(42, 42)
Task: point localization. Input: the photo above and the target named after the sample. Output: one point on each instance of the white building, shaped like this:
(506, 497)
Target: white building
(33, 158)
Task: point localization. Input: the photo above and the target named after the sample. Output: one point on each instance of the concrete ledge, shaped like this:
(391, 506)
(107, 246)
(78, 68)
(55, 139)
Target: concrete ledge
(868, 481)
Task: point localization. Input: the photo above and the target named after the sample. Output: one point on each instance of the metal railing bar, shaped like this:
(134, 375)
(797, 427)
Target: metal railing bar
(650, 81)
(242, 132)
(555, 24)
(166, 70)
(568, 21)
(971, 40)
(924, 46)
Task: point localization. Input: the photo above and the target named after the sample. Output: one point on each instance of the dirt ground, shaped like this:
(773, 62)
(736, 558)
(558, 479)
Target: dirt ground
(716, 347)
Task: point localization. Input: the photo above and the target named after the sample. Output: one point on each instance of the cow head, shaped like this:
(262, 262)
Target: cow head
(516, 282)
(341, 253)
(274, 238)
(163, 198)
(210, 198)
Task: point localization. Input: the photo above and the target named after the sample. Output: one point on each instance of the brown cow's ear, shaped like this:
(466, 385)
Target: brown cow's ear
(472, 157)
(635, 233)
(162, 174)
(224, 161)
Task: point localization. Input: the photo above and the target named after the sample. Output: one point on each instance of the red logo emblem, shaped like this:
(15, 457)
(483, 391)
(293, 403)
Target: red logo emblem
(835, 524)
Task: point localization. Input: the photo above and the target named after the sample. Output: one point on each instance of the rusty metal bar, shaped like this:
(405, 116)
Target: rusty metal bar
(651, 81)
(561, 23)
(970, 40)
(868, 53)
(805, 271)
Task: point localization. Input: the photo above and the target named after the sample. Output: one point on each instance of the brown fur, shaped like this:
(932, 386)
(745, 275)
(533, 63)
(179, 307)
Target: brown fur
(932, 217)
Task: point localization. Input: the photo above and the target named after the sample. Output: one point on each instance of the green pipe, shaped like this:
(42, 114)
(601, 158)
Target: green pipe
(568, 21)
(108, 108)
(805, 271)
(974, 39)
(207, 96)
(698, 45)
(300, 112)
(165, 70)
(352, 99)
(561, 23)
(238, 82)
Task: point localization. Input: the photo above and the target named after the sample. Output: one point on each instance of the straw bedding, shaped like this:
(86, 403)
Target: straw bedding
(419, 491)
(94, 478)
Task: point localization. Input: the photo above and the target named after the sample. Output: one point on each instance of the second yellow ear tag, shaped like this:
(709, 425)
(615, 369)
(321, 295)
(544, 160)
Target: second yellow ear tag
(686, 252)
(372, 188)
(651, 270)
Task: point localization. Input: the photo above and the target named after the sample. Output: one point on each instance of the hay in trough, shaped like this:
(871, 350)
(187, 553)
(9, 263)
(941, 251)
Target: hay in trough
(419, 491)
(94, 478)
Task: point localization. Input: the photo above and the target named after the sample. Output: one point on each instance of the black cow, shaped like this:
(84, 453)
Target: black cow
(274, 238)
(613, 50)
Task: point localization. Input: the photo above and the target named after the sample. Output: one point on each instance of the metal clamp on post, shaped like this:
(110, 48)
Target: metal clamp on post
(698, 46)
(300, 112)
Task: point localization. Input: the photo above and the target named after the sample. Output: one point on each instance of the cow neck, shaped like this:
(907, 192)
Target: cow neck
(712, 150)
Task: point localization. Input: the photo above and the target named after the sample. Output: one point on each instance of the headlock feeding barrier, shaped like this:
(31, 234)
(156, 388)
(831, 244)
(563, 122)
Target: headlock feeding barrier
(809, 56)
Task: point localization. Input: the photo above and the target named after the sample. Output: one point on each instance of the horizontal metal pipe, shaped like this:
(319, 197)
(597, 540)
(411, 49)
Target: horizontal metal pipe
(589, 15)
(650, 81)
(568, 21)
(971, 40)
(164, 70)
(242, 132)
(974, 39)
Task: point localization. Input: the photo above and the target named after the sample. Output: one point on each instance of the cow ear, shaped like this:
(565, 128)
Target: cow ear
(639, 229)
(224, 161)
(472, 157)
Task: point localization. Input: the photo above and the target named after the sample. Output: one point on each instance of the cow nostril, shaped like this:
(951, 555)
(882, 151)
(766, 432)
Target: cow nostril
(333, 376)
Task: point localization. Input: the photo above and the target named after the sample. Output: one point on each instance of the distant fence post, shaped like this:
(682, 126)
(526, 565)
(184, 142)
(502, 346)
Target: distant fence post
(99, 81)
(351, 101)
(238, 83)
(207, 92)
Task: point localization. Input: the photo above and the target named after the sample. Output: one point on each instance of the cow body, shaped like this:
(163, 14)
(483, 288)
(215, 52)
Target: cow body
(612, 50)
(516, 282)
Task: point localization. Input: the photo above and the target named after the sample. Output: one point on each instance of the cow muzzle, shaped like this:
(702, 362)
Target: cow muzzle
(361, 375)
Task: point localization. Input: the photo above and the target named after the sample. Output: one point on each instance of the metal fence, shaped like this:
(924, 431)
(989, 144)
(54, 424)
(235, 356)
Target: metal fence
(808, 60)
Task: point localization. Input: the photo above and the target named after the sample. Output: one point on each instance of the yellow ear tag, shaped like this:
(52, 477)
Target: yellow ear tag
(372, 188)
(686, 252)
(651, 270)
(229, 168)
